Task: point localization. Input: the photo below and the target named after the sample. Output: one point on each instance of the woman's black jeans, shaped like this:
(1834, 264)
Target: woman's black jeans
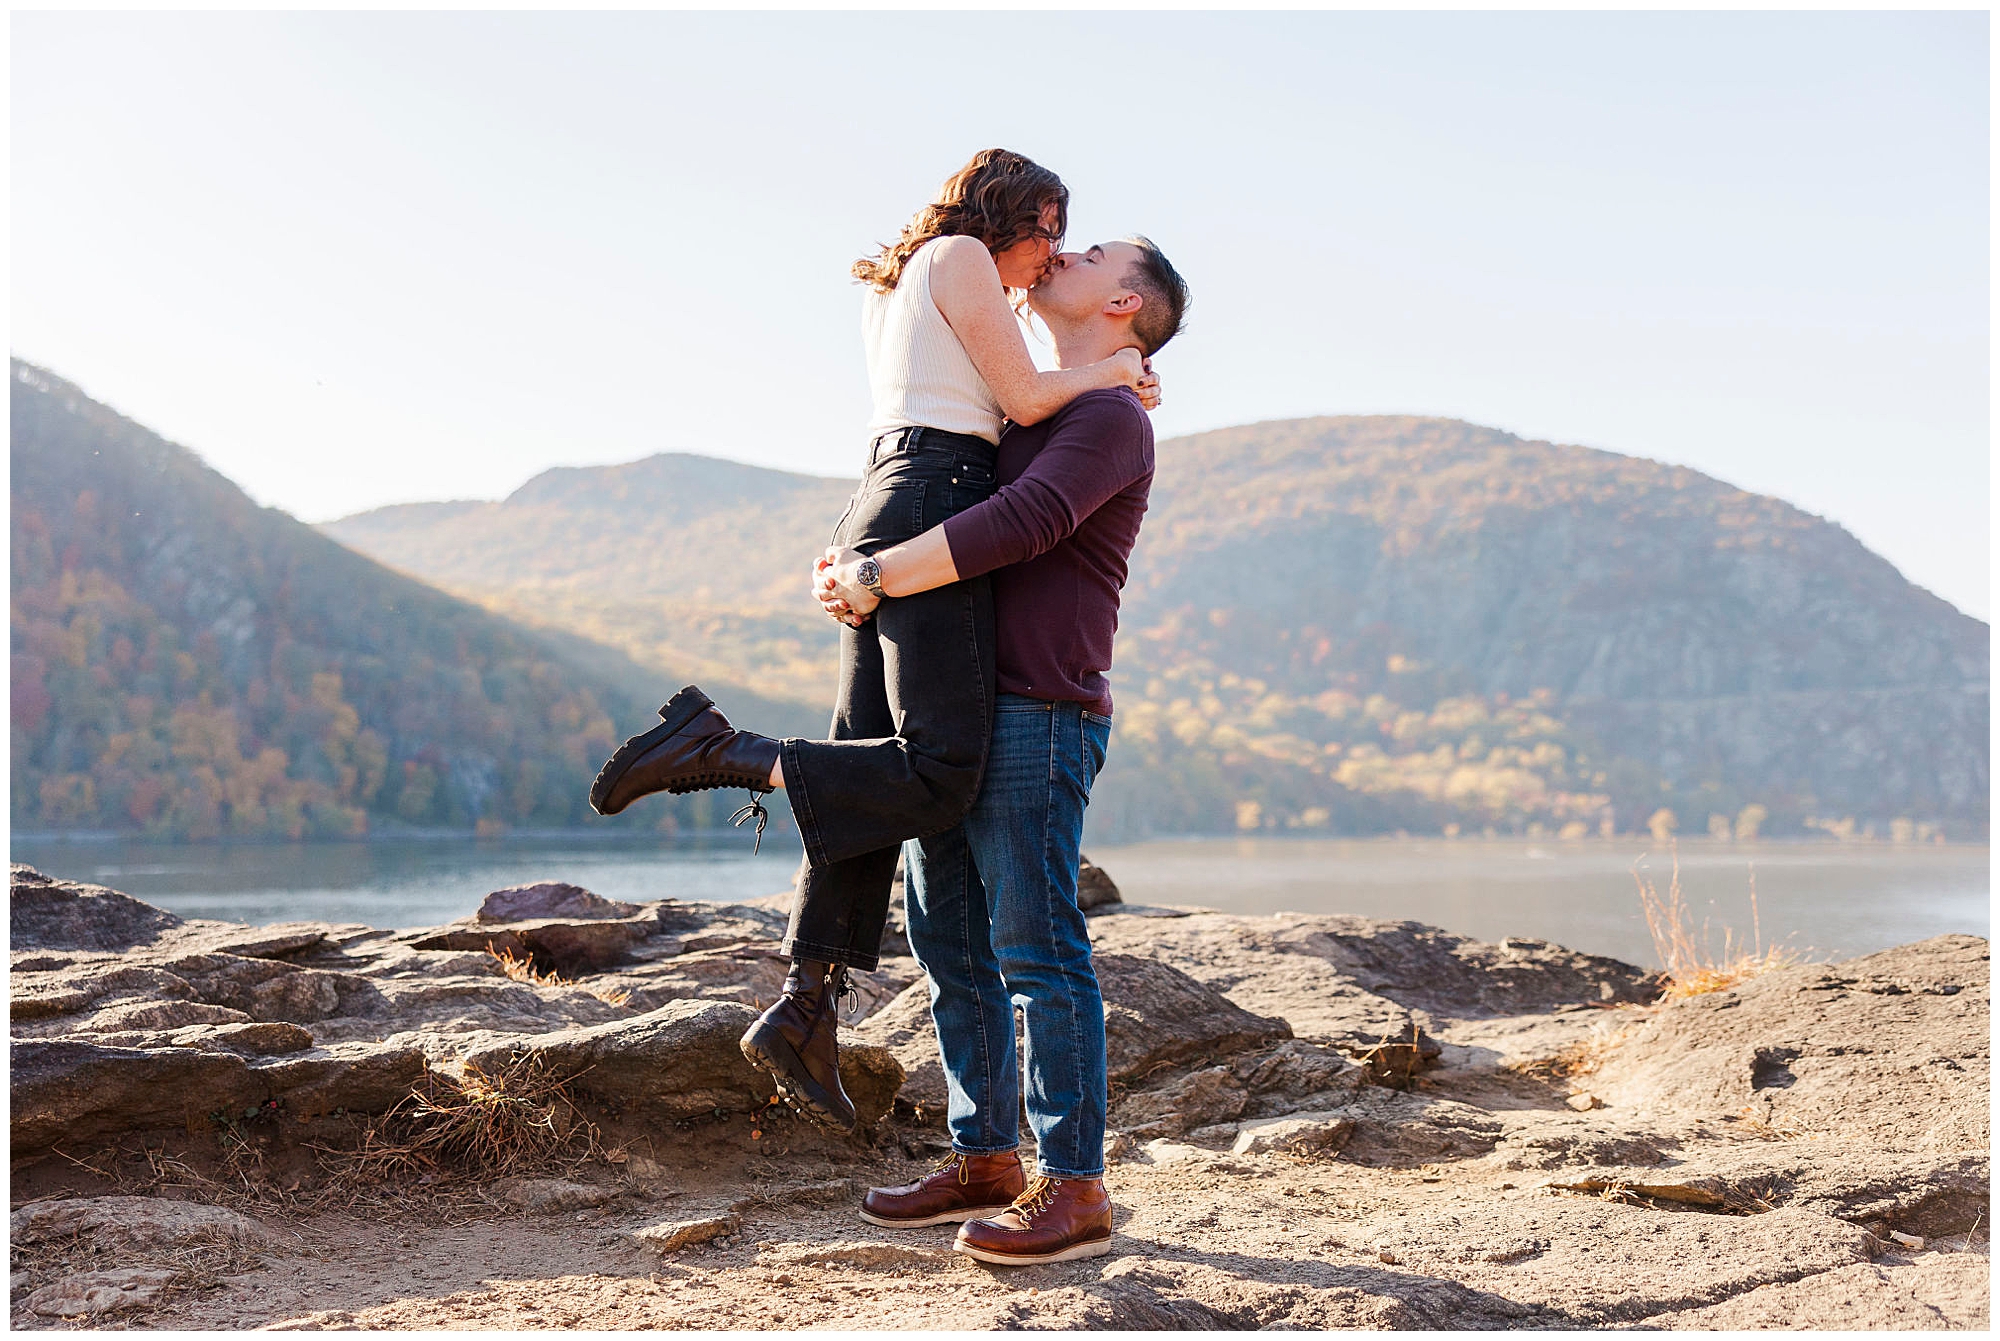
(914, 714)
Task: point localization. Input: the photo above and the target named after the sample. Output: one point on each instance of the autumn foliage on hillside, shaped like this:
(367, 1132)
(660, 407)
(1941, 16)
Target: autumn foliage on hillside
(185, 663)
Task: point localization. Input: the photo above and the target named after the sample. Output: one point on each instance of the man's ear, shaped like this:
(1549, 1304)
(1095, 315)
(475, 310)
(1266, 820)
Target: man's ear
(1125, 306)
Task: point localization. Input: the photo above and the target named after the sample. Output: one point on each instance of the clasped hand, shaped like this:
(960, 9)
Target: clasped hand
(835, 588)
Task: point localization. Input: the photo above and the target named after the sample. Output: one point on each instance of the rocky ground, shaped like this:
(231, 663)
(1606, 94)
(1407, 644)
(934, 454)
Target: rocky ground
(1317, 1121)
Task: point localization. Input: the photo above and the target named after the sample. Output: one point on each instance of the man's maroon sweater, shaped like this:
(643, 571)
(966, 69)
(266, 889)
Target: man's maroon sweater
(1056, 537)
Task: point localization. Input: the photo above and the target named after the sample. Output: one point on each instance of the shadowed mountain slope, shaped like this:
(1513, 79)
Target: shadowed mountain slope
(187, 663)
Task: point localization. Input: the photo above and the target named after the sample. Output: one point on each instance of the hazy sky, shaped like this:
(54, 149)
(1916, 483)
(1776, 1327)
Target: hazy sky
(365, 258)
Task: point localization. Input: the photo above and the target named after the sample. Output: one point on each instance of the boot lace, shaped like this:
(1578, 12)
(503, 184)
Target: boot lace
(843, 991)
(755, 810)
(951, 1159)
(1035, 1198)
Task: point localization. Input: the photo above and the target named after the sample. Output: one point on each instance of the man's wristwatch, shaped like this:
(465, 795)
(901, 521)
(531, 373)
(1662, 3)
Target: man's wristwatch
(868, 574)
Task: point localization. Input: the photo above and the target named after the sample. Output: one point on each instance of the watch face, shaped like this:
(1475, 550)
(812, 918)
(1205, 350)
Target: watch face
(869, 574)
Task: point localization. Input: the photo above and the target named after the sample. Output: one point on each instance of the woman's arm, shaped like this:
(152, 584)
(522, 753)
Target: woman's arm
(965, 286)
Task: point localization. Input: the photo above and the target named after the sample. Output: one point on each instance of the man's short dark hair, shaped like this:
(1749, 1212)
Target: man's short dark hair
(1155, 280)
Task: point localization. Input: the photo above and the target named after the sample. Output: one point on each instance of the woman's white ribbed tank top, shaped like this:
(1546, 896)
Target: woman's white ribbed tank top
(919, 372)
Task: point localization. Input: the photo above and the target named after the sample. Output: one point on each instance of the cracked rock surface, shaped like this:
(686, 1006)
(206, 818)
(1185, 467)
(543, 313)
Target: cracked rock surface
(1805, 1150)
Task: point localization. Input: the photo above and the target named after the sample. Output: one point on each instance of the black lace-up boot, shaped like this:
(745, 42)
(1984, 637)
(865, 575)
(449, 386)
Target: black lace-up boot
(796, 1040)
(692, 749)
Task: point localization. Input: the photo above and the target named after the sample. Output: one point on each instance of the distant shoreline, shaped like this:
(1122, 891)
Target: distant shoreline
(1702, 842)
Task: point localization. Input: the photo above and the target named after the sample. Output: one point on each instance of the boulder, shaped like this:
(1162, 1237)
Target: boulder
(45, 913)
(1154, 1014)
(1094, 889)
(359, 1077)
(1293, 1075)
(1356, 980)
(681, 1060)
(1205, 1098)
(135, 1222)
(85, 1293)
(904, 1029)
(70, 1090)
(872, 1076)
(549, 899)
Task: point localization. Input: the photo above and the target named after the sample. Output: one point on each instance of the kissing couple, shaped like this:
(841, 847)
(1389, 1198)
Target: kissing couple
(976, 576)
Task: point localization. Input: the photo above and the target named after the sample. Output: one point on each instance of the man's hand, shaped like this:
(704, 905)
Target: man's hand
(836, 589)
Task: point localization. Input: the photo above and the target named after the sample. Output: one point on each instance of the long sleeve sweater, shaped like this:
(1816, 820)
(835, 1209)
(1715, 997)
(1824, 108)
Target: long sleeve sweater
(1057, 536)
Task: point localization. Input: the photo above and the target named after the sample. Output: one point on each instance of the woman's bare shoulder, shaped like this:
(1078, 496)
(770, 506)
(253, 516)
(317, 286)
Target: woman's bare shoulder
(961, 253)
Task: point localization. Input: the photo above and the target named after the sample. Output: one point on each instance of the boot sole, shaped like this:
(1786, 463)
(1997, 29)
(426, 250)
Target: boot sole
(948, 1218)
(681, 709)
(1075, 1252)
(768, 1051)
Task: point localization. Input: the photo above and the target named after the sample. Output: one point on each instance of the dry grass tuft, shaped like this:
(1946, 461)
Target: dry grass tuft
(519, 1118)
(1692, 965)
(1588, 1054)
(522, 969)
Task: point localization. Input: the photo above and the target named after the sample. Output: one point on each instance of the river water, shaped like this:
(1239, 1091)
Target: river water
(1826, 900)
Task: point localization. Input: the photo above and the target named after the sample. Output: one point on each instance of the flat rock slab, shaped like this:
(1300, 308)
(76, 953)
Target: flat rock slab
(93, 1292)
(70, 1089)
(44, 913)
(1893, 1047)
(1300, 1131)
(135, 1222)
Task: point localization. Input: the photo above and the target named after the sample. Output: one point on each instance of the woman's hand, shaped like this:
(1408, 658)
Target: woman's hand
(1131, 364)
(836, 589)
(1149, 388)
(835, 607)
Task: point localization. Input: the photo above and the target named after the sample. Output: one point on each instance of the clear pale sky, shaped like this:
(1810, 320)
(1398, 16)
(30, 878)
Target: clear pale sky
(356, 259)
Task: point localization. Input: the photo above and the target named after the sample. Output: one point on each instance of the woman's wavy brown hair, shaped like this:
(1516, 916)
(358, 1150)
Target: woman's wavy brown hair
(998, 198)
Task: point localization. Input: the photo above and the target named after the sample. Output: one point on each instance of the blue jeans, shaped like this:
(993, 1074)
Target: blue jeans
(994, 922)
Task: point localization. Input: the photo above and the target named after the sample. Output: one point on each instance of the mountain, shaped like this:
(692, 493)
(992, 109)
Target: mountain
(1352, 624)
(189, 664)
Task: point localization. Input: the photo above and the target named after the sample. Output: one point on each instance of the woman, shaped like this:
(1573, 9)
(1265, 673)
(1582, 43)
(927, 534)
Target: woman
(947, 362)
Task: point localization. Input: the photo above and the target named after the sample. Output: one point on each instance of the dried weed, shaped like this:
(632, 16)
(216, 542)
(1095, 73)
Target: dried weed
(522, 969)
(480, 1124)
(1692, 965)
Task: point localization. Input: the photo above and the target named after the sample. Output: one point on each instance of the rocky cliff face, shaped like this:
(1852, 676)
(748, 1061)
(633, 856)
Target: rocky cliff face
(1316, 1121)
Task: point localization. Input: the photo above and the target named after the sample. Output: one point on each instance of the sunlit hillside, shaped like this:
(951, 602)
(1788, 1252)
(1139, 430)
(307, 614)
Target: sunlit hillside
(1351, 625)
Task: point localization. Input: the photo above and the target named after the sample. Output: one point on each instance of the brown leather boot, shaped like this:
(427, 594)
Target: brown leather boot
(692, 749)
(961, 1187)
(796, 1040)
(1054, 1220)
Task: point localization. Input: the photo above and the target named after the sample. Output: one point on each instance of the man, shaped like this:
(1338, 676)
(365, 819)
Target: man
(992, 907)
